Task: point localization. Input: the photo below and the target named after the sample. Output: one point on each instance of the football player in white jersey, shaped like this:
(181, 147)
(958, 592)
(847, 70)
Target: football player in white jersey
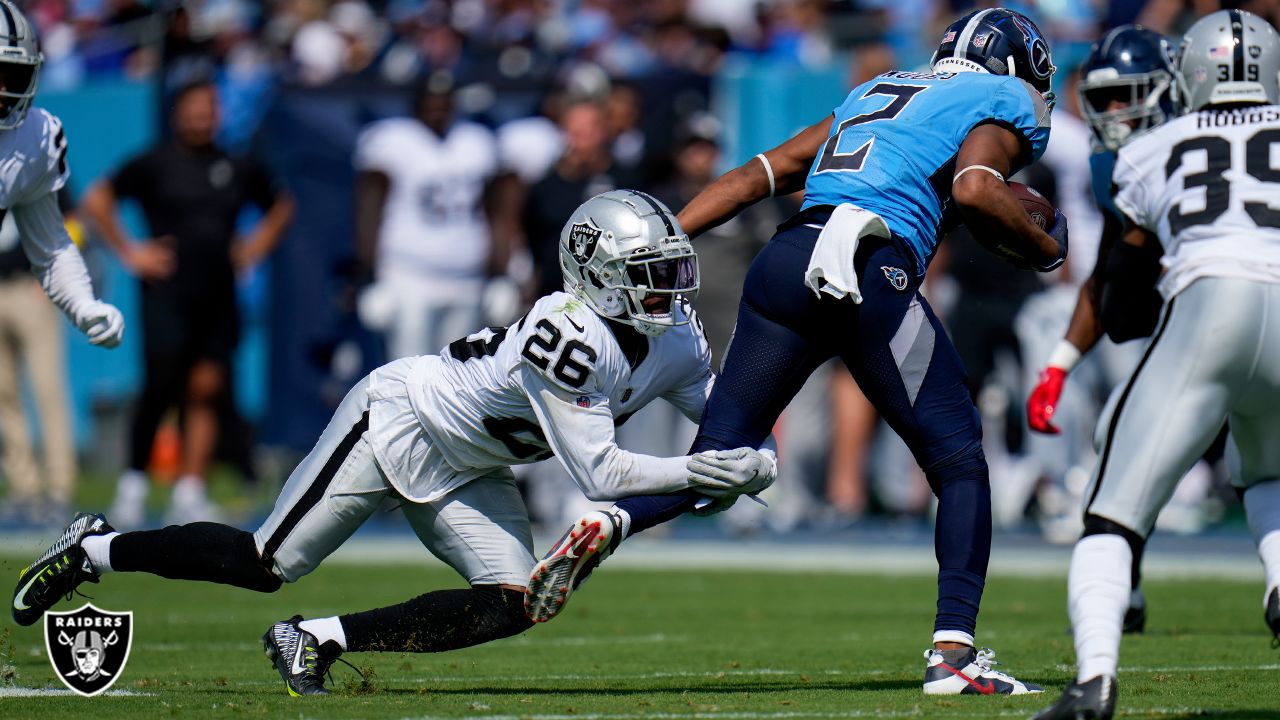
(33, 168)
(1206, 189)
(432, 221)
(439, 433)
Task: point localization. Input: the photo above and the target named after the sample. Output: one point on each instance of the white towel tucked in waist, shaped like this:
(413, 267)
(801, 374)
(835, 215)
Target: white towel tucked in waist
(831, 265)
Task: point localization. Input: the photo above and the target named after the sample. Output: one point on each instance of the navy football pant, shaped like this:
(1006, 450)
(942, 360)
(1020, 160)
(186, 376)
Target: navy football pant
(901, 358)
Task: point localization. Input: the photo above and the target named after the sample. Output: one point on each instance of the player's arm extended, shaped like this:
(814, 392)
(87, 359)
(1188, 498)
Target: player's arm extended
(992, 212)
(731, 193)
(1083, 333)
(372, 189)
(583, 439)
(1130, 303)
(57, 263)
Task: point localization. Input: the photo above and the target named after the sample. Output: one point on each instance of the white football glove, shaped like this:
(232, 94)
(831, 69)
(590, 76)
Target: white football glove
(102, 323)
(377, 306)
(723, 473)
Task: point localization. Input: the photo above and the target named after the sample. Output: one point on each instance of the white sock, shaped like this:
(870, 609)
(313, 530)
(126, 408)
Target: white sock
(326, 629)
(1097, 595)
(1269, 551)
(624, 520)
(1262, 505)
(133, 482)
(98, 548)
(956, 636)
(188, 489)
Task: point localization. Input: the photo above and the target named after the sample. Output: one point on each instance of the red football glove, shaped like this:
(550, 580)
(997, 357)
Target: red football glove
(1044, 400)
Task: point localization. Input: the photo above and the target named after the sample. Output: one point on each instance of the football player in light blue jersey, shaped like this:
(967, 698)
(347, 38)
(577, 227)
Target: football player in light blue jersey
(906, 156)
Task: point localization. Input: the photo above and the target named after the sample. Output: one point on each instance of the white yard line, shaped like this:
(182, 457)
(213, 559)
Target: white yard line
(786, 715)
(17, 692)
(863, 557)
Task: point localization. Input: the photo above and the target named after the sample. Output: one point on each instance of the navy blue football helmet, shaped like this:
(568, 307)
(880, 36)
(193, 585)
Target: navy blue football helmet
(1127, 84)
(1000, 42)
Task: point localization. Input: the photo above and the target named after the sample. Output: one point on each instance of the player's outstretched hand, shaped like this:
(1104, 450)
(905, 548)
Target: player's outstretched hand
(102, 323)
(722, 473)
(1044, 400)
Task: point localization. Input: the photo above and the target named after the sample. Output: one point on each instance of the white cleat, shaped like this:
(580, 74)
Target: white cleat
(972, 675)
(566, 566)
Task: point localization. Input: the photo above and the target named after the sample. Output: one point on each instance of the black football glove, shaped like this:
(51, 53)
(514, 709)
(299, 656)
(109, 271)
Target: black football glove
(1059, 233)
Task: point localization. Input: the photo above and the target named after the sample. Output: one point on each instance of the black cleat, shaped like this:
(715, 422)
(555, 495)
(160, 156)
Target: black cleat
(1092, 700)
(58, 572)
(1273, 616)
(298, 657)
(1135, 616)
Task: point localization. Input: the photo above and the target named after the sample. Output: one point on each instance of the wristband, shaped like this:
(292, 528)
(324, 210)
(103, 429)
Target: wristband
(769, 171)
(1064, 356)
(984, 168)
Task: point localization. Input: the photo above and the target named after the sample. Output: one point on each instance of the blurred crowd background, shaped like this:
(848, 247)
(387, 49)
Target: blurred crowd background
(407, 166)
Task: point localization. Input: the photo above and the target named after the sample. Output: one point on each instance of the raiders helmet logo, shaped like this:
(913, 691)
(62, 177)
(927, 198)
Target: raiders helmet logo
(583, 239)
(896, 277)
(88, 647)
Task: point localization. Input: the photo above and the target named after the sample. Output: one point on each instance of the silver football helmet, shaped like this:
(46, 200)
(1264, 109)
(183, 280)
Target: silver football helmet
(623, 254)
(20, 61)
(1229, 56)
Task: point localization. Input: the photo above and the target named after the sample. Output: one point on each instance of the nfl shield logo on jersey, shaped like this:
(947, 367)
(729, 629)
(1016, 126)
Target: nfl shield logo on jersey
(583, 238)
(896, 277)
(88, 647)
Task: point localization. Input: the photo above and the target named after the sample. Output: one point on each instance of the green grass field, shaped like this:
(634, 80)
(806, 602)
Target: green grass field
(647, 644)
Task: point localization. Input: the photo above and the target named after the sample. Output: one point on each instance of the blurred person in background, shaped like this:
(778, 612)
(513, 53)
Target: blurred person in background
(31, 345)
(585, 169)
(191, 193)
(433, 221)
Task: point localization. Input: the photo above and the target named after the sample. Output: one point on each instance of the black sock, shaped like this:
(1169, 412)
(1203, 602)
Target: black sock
(438, 621)
(197, 551)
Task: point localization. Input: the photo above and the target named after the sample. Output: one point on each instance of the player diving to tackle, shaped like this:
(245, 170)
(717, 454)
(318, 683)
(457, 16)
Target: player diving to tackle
(905, 157)
(1126, 88)
(1203, 187)
(439, 433)
(34, 151)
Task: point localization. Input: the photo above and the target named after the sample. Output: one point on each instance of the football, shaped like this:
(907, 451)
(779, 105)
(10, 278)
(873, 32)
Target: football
(1038, 207)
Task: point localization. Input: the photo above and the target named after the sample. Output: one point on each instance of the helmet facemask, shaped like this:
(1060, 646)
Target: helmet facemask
(645, 287)
(1142, 96)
